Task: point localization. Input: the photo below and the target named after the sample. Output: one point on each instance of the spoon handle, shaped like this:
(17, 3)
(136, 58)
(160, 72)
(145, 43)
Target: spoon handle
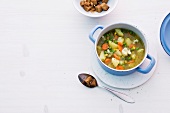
(120, 95)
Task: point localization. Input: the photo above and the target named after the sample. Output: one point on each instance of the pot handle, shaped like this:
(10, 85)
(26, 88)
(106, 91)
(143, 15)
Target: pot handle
(93, 31)
(150, 66)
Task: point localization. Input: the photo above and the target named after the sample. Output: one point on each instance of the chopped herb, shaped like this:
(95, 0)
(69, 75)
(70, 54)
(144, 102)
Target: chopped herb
(111, 50)
(122, 65)
(105, 35)
(115, 41)
(122, 30)
(106, 41)
(124, 44)
(130, 32)
(137, 48)
(123, 58)
(129, 58)
(111, 36)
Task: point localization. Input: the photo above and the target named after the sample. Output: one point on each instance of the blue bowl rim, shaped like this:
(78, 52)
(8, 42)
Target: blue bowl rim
(162, 34)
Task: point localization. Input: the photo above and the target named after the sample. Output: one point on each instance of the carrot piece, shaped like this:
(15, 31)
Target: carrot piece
(120, 68)
(105, 46)
(107, 61)
(131, 61)
(120, 48)
(117, 57)
(131, 45)
(120, 43)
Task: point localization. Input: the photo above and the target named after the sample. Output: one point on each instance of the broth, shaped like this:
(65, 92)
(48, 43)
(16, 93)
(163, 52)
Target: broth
(121, 49)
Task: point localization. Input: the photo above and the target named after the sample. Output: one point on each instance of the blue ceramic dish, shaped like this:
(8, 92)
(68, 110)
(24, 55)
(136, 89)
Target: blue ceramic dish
(122, 72)
(165, 34)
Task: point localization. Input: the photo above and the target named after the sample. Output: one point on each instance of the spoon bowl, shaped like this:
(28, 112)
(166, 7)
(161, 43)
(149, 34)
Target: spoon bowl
(90, 82)
(87, 80)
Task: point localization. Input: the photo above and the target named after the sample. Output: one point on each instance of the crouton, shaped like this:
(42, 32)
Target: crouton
(104, 6)
(82, 3)
(98, 8)
(94, 2)
(105, 1)
(87, 8)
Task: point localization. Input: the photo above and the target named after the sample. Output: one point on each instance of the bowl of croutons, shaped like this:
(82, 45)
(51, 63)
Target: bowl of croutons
(95, 8)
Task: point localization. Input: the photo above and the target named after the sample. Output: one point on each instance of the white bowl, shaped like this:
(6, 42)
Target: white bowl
(112, 4)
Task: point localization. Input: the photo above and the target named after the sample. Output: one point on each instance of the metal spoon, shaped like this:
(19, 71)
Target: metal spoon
(89, 81)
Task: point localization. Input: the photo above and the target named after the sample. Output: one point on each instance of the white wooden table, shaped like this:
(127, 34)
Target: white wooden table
(44, 45)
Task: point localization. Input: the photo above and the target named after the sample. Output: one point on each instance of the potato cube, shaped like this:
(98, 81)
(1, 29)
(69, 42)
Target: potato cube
(113, 45)
(119, 32)
(102, 56)
(128, 41)
(120, 39)
(115, 62)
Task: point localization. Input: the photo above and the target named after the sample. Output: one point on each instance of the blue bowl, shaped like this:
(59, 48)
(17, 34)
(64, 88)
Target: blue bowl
(137, 68)
(165, 34)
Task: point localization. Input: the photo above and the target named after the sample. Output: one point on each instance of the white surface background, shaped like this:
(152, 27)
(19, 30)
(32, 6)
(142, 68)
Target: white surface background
(44, 45)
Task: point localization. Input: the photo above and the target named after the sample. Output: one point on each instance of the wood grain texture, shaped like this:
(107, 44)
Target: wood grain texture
(44, 45)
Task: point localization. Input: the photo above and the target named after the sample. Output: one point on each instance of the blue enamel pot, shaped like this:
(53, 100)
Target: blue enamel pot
(128, 71)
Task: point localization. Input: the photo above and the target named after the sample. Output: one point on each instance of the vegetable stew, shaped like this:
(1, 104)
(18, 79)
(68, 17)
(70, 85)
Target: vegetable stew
(121, 49)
